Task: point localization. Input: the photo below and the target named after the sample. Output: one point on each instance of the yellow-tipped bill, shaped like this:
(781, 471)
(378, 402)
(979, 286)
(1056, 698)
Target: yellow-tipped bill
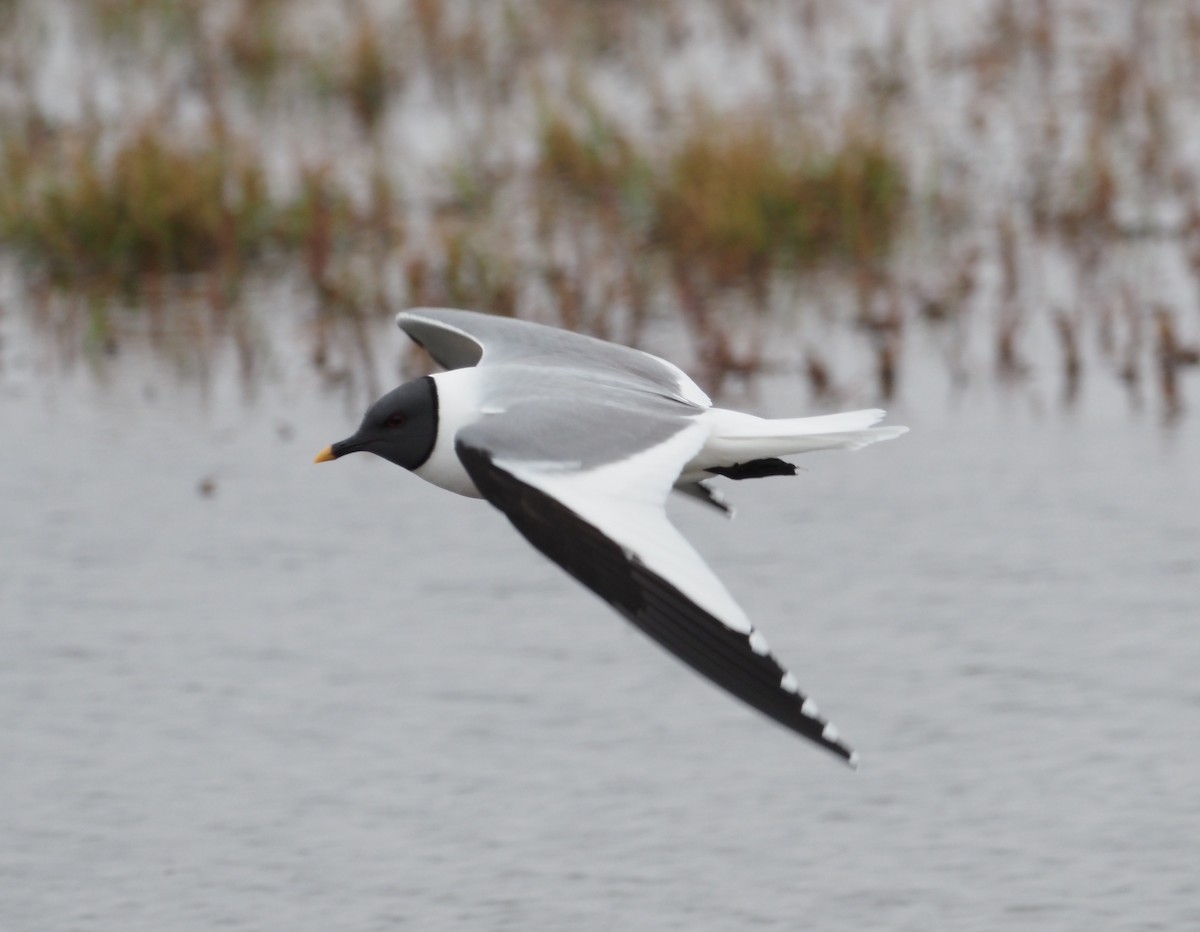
(325, 455)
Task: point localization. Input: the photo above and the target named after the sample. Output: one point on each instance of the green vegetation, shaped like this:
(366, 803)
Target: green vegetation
(368, 80)
(600, 164)
(140, 21)
(594, 166)
(107, 209)
(739, 202)
(254, 43)
(152, 208)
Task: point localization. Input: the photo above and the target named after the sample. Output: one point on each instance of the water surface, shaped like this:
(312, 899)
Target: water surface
(336, 697)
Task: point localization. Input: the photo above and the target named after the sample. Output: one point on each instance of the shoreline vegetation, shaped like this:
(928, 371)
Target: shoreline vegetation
(1001, 177)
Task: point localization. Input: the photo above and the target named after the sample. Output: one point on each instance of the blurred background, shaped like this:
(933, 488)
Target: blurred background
(241, 691)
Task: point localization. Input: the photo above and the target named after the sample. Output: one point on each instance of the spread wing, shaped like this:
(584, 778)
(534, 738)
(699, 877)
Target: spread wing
(607, 526)
(459, 339)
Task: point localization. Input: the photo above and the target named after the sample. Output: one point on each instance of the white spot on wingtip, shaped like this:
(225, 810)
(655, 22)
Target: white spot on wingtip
(759, 644)
(853, 760)
(740, 625)
(829, 732)
(810, 709)
(789, 683)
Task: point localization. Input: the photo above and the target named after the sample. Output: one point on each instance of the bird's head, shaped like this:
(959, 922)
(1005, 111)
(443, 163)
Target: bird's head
(401, 427)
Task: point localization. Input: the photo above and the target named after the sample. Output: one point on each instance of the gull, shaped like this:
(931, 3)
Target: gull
(579, 442)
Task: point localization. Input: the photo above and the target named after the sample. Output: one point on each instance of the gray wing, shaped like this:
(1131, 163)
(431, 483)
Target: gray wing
(607, 526)
(458, 339)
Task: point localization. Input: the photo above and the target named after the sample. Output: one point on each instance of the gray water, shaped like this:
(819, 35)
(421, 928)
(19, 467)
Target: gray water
(336, 698)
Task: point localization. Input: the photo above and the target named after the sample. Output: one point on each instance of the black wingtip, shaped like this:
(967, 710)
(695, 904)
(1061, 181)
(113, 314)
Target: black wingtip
(833, 744)
(735, 659)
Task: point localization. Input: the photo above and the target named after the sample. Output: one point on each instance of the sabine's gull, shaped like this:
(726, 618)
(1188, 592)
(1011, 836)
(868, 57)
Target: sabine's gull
(579, 441)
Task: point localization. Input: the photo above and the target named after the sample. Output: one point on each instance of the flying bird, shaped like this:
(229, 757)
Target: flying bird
(579, 442)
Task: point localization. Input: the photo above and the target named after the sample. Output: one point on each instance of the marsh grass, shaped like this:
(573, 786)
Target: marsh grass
(716, 217)
(153, 207)
(156, 223)
(568, 161)
(740, 201)
(370, 76)
(255, 43)
(593, 164)
(144, 22)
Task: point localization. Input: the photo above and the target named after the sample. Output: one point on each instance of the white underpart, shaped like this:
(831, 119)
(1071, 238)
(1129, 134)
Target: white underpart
(625, 502)
(735, 437)
(458, 396)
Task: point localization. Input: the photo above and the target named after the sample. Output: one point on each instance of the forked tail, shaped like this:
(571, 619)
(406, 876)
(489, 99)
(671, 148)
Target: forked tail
(739, 438)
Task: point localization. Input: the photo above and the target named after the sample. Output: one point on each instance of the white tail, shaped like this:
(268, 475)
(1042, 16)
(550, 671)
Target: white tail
(739, 438)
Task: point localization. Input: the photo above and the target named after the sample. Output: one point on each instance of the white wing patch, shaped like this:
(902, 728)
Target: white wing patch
(625, 502)
(607, 526)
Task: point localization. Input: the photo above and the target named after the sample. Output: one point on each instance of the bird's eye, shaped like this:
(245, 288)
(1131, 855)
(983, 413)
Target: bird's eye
(394, 420)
